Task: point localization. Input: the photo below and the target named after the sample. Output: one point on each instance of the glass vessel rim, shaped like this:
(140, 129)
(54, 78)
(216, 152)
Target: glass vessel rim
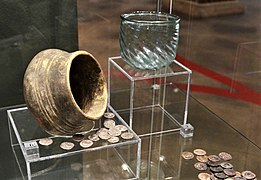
(170, 18)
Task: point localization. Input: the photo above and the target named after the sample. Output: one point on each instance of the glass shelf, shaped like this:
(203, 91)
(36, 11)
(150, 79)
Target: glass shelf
(35, 160)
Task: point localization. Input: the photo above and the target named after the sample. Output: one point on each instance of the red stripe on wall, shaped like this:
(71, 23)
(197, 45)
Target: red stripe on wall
(237, 89)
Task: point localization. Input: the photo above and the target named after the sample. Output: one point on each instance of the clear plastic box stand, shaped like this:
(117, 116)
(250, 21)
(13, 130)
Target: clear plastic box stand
(151, 101)
(161, 155)
(102, 160)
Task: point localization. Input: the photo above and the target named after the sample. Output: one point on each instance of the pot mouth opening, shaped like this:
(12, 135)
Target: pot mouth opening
(87, 85)
(150, 17)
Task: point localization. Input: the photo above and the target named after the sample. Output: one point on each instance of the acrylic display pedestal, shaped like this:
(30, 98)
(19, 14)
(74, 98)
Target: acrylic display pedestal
(150, 101)
(100, 161)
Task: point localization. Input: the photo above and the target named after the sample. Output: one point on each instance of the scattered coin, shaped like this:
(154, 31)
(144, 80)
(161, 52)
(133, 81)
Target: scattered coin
(238, 174)
(187, 155)
(220, 175)
(67, 145)
(229, 178)
(248, 174)
(212, 164)
(86, 143)
(109, 123)
(102, 130)
(113, 140)
(127, 135)
(122, 128)
(199, 152)
(200, 166)
(45, 141)
(216, 169)
(204, 176)
(225, 156)
(214, 158)
(104, 135)
(212, 177)
(109, 115)
(78, 137)
(94, 137)
(202, 158)
(114, 131)
(226, 165)
(230, 172)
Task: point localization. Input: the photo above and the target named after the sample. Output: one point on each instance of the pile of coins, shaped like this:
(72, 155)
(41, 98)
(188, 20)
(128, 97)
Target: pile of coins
(111, 132)
(217, 165)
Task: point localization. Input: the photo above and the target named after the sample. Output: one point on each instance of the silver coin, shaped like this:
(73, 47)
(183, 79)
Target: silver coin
(214, 158)
(216, 169)
(200, 166)
(230, 172)
(114, 131)
(109, 123)
(86, 143)
(187, 155)
(213, 164)
(94, 137)
(199, 152)
(109, 115)
(203, 159)
(226, 165)
(220, 175)
(204, 176)
(102, 130)
(66, 145)
(212, 177)
(78, 137)
(45, 141)
(104, 135)
(113, 140)
(248, 174)
(238, 174)
(225, 156)
(122, 128)
(127, 135)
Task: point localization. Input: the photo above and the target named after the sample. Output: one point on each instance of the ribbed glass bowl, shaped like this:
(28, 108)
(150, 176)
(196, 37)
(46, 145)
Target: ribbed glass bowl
(149, 40)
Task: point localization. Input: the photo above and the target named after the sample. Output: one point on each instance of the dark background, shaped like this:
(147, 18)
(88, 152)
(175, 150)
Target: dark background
(27, 27)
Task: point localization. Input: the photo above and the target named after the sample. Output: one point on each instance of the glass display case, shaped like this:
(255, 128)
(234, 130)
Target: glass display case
(218, 110)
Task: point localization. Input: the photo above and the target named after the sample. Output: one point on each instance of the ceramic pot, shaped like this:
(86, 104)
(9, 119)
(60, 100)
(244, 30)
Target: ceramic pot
(66, 92)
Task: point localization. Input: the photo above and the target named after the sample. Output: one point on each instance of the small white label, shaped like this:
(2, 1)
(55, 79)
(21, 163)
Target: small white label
(32, 150)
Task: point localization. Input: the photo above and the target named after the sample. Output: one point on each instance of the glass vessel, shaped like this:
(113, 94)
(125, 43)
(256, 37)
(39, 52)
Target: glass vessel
(149, 40)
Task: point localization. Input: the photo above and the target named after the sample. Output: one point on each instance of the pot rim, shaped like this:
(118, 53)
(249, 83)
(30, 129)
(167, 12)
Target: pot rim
(169, 18)
(72, 56)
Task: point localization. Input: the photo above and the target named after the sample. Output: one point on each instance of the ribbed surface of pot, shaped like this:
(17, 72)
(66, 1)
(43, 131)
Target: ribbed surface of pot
(66, 92)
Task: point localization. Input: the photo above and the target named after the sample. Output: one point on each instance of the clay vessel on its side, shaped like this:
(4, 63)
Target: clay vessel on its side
(66, 92)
